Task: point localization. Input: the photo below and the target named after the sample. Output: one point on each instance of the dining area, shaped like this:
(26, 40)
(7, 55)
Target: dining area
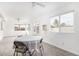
(28, 45)
(38, 29)
(16, 46)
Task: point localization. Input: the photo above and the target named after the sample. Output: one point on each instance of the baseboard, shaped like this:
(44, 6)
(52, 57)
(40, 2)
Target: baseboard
(61, 48)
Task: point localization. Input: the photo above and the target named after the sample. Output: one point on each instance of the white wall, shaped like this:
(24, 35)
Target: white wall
(66, 41)
(11, 11)
(9, 27)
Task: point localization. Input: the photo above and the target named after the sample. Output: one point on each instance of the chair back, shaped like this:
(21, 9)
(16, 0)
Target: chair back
(18, 44)
(41, 40)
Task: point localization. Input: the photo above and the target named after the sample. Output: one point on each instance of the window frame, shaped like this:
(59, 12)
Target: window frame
(60, 20)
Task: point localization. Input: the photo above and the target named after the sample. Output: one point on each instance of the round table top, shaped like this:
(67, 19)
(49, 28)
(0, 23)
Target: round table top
(28, 38)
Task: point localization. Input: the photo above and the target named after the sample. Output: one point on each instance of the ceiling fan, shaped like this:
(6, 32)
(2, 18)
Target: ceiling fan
(37, 3)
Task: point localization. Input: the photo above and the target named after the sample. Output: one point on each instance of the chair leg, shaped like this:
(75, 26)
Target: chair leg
(29, 53)
(23, 54)
(41, 50)
(14, 53)
(36, 52)
(33, 52)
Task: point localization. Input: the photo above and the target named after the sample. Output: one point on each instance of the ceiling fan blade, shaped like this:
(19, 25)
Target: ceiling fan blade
(39, 4)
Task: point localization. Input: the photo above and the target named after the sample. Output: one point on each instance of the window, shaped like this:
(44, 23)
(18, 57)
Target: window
(66, 22)
(55, 24)
(20, 27)
(36, 28)
(63, 23)
(44, 27)
(29, 27)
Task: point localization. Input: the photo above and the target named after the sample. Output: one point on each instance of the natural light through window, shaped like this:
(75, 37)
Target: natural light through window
(55, 24)
(66, 22)
(63, 23)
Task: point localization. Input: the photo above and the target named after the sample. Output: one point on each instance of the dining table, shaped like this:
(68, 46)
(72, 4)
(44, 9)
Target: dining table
(32, 41)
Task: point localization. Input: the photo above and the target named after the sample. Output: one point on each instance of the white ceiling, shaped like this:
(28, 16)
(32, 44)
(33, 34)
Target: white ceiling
(25, 9)
(16, 9)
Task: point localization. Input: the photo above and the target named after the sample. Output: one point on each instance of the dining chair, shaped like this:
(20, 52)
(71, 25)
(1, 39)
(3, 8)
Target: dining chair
(20, 47)
(38, 48)
(41, 48)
